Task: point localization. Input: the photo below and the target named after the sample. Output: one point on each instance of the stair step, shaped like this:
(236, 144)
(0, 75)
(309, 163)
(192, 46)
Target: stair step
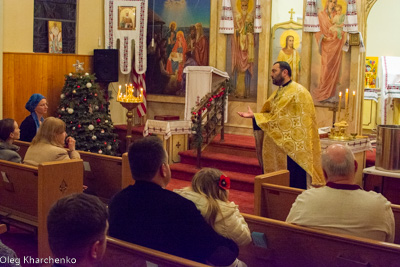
(229, 162)
(239, 181)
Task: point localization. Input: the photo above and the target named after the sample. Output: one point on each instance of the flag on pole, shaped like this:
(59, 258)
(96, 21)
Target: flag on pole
(139, 81)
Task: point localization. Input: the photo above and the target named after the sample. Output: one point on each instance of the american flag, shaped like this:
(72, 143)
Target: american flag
(139, 81)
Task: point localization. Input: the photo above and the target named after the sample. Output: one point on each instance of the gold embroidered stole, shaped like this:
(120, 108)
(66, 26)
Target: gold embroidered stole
(288, 119)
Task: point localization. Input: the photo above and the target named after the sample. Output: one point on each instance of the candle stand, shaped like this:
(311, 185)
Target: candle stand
(130, 102)
(339, 129)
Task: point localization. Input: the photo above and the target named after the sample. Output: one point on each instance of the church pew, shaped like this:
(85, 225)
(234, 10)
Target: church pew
(103, 175)
(292, 245)
(27, 193)
(23, 147)
(278, 200)
(121, 253)
(279, 177)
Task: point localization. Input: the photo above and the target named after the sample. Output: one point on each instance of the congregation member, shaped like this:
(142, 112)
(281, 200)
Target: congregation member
(294, 145)
(77, 227)
(9, 132)
(209, 192)
(342, 206)
(48, 144)
(37, 106)
(149, 215)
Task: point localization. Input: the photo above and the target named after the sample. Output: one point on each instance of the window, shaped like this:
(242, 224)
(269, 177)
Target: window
(54, 10)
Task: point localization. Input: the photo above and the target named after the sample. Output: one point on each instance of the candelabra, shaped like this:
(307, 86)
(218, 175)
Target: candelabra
(130, 102)
(339, 131)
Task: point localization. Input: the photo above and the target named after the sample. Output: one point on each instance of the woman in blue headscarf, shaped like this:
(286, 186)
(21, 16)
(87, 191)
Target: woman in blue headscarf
(37, 106)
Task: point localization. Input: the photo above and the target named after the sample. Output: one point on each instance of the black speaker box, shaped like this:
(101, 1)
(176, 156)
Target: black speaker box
(106, 65)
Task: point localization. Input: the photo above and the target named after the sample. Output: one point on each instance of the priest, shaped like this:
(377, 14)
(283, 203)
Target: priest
(290, 139)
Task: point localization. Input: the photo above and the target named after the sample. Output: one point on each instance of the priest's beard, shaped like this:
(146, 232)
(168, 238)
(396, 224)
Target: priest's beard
(278, 80)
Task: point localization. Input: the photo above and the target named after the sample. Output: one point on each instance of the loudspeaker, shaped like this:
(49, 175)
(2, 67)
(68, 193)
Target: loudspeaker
(106, 65)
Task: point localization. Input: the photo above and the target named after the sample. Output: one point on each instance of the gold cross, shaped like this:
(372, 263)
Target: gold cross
(178, 145)
(291, 13)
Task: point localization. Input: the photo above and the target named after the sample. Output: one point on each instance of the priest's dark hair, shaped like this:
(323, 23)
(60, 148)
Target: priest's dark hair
(74, 224)
(283, 65)
(146, 155)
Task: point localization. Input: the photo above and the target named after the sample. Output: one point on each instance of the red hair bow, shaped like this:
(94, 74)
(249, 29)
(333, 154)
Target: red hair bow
(224, 182)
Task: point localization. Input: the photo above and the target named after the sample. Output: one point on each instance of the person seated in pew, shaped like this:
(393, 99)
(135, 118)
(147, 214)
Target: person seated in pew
(48, 144)
(209, 192)
(149, 215)
(37, 106)
(9, 132)
(77, 226)
(342, 206)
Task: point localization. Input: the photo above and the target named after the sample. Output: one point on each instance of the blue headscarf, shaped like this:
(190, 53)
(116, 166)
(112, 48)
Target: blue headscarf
(31, 105)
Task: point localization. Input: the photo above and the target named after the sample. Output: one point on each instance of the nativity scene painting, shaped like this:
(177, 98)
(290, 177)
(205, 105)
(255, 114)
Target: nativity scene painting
(178, 36)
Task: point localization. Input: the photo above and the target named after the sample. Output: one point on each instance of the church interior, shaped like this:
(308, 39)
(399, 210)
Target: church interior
(182, 70)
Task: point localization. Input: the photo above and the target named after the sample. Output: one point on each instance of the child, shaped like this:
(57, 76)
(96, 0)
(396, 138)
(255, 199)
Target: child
(337, 22)
(209, 192)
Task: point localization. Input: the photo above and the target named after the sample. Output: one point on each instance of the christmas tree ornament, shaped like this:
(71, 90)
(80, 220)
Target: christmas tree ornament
(102, 131)
(100, 151)
(63, 109)
(79, 86)
(94, 137)
(105, 143)
(109, 147)
(87, 74)
(95, 94)
(70, 74)
(98, 120)
(91, 127)
(62, 96)
(106, 121)
(73, 128)
(74, 91)
(70, 110)
(96, 107)
(84, 100)
(88, 85)
(79, 126)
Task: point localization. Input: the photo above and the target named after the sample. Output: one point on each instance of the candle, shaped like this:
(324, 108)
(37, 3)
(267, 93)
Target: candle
(340, 105)
(354, 105)
(126, 89)
(346, 102)
(141, 93)
(119, 92)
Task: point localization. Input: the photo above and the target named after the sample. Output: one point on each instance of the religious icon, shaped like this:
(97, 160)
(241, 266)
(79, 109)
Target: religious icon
(327, 55)
(55, 37)
(290, 41)
(126, 18)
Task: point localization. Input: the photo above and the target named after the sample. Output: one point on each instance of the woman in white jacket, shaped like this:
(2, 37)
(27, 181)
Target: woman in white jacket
(209, 192)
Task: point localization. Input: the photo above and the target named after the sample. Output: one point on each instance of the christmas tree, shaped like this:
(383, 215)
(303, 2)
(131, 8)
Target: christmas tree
(84, 109)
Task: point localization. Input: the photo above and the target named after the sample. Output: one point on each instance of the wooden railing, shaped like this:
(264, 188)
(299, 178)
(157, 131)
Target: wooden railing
(208, 118)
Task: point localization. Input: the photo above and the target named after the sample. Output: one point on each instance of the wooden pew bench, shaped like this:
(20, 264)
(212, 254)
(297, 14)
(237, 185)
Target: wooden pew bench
(292, 245)
(275, 201)
(27, 193)
(121, 253)
(103, 175)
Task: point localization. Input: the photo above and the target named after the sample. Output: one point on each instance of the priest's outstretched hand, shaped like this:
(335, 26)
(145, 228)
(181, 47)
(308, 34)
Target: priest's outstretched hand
(248, 114)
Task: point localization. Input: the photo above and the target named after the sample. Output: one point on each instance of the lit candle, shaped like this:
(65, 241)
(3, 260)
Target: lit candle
(340, 105)
(119, 92)
(346, 102)
(141, 93)
(126, 89)
(354, 105)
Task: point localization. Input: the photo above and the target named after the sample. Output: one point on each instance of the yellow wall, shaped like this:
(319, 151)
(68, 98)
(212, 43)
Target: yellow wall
(18, 26)
(90, 18)
(382, 29)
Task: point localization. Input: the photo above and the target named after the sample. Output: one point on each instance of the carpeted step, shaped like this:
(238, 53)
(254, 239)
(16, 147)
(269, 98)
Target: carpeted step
(245, 200)
(230, 162)
(239, 181)
(233, 144)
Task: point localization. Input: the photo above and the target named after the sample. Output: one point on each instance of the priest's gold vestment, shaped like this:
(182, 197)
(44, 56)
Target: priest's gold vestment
(288, 121)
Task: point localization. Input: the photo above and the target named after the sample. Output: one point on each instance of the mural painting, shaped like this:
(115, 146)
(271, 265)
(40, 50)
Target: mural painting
(242, 51)
(330, 64)
(181, 38)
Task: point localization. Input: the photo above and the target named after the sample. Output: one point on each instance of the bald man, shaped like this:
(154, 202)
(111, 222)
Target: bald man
(342, 206)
